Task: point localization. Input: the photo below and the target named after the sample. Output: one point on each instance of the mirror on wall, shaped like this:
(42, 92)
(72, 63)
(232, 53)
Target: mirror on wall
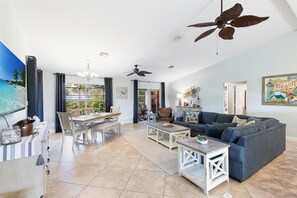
(235, 95)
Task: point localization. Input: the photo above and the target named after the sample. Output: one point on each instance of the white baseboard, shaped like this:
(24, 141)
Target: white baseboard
(291, 138)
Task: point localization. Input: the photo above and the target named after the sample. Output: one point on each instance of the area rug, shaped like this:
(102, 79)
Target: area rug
(158, 154)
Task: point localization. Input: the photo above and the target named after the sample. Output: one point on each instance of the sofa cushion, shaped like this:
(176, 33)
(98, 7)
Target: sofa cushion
(181, 123)
(252, 118)
(243, 117)
(232, 134)
(240, 122)
(197, 127)
(270, 122)
(216, 130)
(192, 117)
(224, 118)
(260, 125)
(208, 117)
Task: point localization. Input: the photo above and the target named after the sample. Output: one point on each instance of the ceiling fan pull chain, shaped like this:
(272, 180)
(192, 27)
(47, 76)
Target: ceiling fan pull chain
(217, 53)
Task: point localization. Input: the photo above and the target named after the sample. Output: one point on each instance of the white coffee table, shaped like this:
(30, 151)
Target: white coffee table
(209, 173)
(167, 136)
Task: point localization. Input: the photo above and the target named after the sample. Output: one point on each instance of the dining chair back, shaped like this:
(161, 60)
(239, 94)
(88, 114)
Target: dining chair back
(75, 112)
(68, 127)
(114, 109)
(88, 110)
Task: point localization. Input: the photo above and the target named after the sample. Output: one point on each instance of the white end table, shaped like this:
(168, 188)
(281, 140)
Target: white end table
(214, 169)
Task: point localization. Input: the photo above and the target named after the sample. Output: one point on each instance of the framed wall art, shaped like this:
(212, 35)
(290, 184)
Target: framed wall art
(279, 90)
(122, 92)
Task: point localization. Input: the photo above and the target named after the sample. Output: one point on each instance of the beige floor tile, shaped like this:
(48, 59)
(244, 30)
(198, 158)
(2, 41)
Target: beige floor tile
(233, 188)
(95, 158)
(177, 186)
(263, 185)
(125, 161)
(147, 165)
(113, 177)
(287, 177)
(81, 174)
(57, 189)
(129, 150)
(97, 192)
(129, 194)
(147, 182)
(57, 169)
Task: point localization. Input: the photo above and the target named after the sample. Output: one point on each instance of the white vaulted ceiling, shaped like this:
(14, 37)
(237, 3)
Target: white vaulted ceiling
(152, 33)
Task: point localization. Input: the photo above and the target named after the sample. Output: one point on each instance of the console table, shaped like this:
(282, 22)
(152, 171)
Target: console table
(23, 165)
(180, 110)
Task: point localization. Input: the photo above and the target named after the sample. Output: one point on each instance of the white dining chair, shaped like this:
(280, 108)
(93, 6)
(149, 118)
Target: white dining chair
(114, 109)
(68, 127)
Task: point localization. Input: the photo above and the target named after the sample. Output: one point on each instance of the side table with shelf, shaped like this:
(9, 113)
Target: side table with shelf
(209, 173)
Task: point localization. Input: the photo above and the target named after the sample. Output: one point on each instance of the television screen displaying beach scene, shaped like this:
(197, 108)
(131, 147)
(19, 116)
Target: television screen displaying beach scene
(12, 82)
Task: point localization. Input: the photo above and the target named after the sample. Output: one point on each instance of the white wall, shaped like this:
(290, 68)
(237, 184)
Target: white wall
(12, 37)
(276, 57)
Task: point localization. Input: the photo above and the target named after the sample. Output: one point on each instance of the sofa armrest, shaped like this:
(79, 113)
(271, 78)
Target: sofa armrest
(237, 152)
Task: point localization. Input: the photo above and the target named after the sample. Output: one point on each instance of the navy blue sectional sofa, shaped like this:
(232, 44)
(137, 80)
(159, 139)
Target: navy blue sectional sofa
(251, 146)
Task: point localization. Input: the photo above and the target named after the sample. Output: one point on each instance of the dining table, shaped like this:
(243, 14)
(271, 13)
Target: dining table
(92, 119)
(84, 119)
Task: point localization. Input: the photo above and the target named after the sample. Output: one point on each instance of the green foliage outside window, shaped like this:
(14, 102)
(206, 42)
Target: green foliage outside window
(79, 96)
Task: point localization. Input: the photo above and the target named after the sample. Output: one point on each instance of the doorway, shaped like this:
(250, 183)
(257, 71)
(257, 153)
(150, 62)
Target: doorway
(155, 101)
(235, 95)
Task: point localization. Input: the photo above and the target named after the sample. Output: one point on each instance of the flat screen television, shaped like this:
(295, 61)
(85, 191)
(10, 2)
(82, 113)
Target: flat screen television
(12, 82)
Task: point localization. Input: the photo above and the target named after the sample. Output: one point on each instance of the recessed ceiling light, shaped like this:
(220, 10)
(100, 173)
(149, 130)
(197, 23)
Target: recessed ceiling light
(104, 54)
(171, 67)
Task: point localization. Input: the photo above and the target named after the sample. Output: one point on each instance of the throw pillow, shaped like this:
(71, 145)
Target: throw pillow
(192, 117)
(250, 122)
(240, 122)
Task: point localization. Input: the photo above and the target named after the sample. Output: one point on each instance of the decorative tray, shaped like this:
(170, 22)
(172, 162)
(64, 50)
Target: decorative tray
(168, 125)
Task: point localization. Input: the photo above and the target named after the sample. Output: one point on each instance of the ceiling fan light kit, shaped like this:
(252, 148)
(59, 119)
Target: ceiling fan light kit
(227, 21)
(138, 72)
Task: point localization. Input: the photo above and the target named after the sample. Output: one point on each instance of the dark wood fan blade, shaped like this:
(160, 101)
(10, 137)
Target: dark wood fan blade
(140, 73)
(144, 72)
(130, 74)
(231, 13)
(247, 20)
(227, 33)
(205, 34)
(203, 24)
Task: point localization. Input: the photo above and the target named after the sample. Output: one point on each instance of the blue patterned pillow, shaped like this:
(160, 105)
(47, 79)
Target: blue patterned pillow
(192, 117)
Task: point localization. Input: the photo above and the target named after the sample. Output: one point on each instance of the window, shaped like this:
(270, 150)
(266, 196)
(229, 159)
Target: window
(79, 96)
(141, 96)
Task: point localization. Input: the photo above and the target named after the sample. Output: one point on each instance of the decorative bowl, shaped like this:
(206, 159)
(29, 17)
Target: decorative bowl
(201, 139)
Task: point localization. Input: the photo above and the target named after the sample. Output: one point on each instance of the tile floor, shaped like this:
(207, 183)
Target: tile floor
(115, 169)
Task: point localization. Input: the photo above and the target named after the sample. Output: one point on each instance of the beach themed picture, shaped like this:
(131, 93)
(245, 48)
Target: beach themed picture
(279, 89)
(12, 82)
(121, 92)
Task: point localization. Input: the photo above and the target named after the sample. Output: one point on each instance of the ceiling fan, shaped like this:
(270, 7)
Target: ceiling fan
(227, 21)
(139, 73)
